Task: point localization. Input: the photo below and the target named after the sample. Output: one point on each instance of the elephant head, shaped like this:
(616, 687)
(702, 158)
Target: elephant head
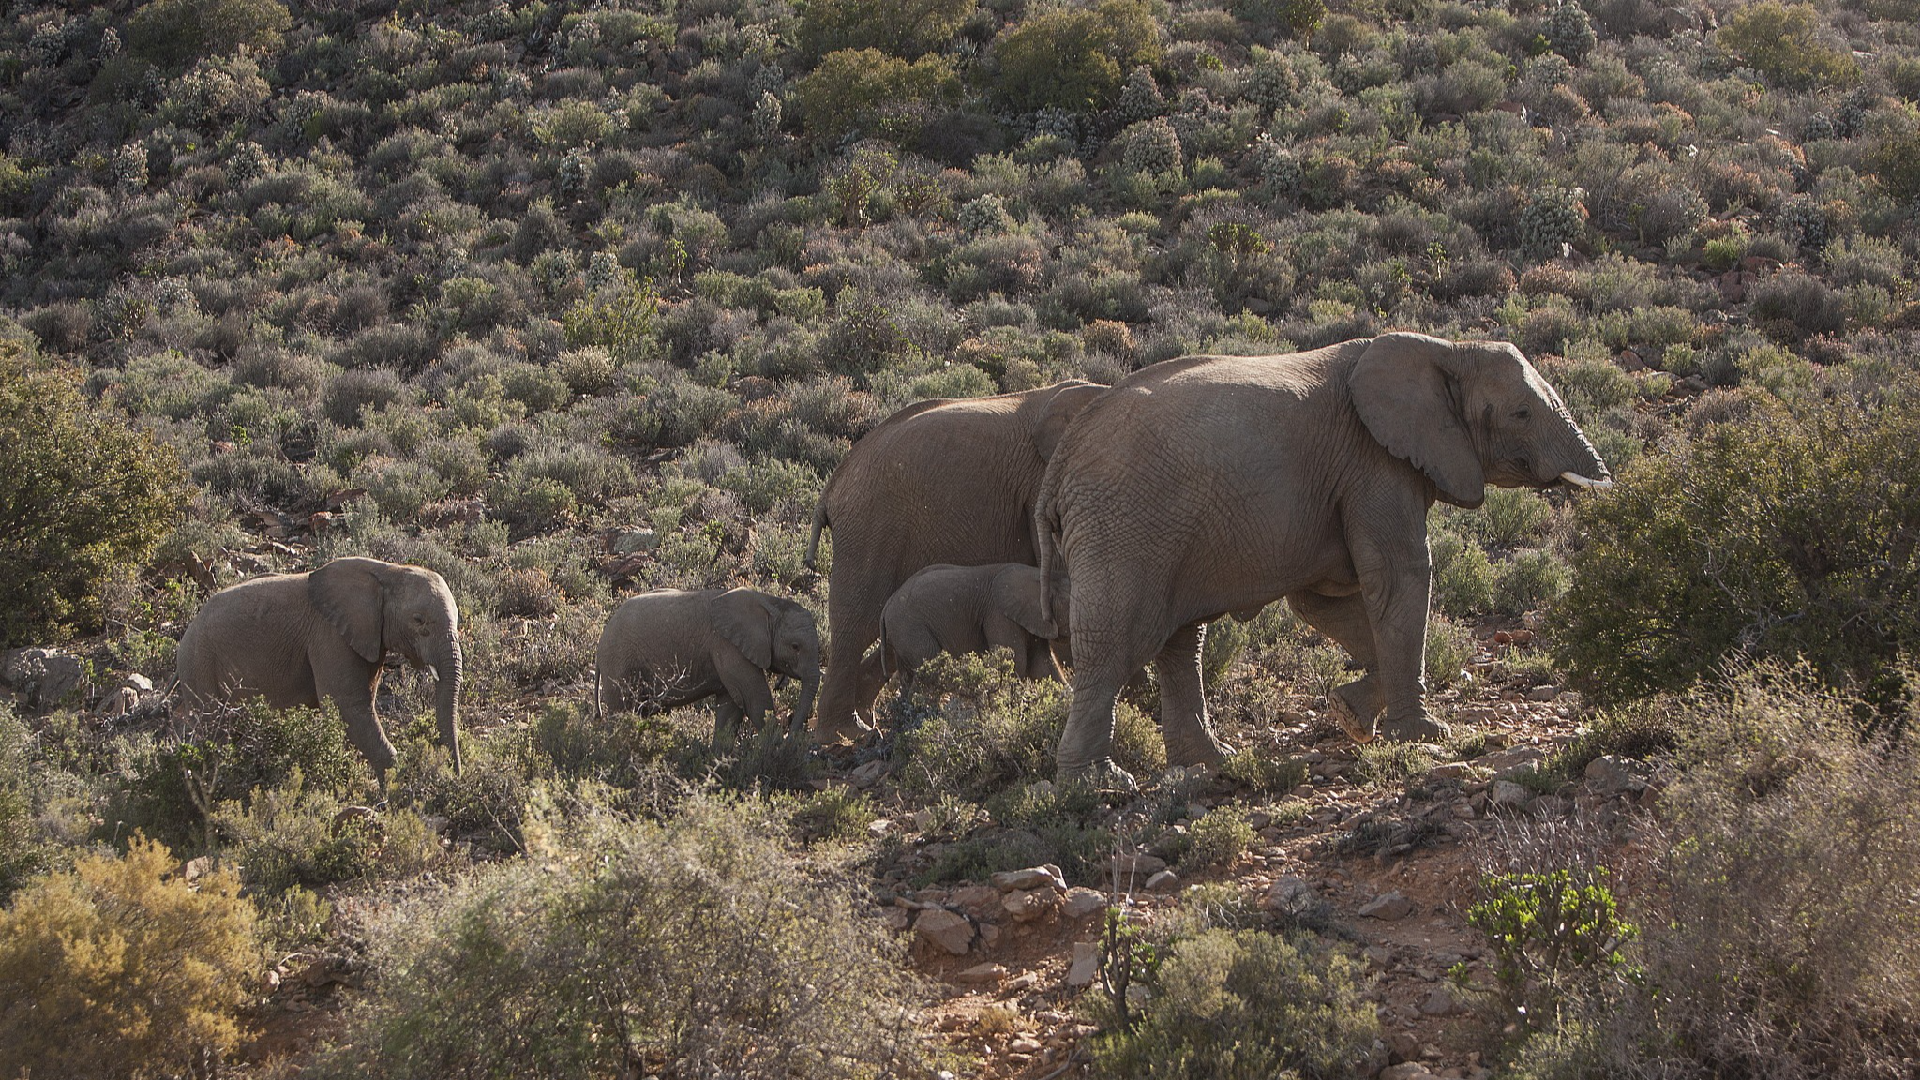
(774, 635)
(1016, 593)
(379, 607)
(1468, 415)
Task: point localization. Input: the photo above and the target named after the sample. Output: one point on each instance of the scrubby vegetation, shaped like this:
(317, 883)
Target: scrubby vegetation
(566, 300)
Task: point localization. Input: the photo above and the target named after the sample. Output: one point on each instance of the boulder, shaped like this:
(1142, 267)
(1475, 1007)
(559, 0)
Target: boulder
(1136, 864)
(1081, 902)
(1612, 774)
(1086, 963)
(1163, 882)
(982, 973)
(946, 930)
(1508, 793)
(1388, 906)
(1027, 906)
(45, 677)
(1031, 878)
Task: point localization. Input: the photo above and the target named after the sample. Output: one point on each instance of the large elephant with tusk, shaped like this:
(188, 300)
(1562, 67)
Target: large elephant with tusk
(1214, 485)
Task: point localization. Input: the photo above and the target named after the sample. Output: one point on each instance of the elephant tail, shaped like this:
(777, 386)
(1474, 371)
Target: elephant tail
(819, 522)
(1046, 527)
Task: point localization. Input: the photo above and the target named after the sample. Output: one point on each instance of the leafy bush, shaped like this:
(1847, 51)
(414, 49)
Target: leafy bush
(84, 494)
(22, 853)
(698, 947)
(1218, 838)
(903, 28)
(1550, 932)
(869, 92)
(1784, 534)
(1073, 58)
(1243, 1005)
(1781, 41)
(122, 968)
(175, 33)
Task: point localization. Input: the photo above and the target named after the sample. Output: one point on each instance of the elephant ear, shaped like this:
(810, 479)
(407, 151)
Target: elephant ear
(1054, 411)
(744, 619)
(1407, 393)
(351, 595)
(1016, 593)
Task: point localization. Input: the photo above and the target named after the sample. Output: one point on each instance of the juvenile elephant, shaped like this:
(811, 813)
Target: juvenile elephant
(1210, 485)
(942, 481)
(969, 609)
(672, 647)
(296, 638)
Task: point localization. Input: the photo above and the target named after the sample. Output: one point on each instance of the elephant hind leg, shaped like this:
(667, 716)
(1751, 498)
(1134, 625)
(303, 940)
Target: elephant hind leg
(1183, 703)
(1357, 705)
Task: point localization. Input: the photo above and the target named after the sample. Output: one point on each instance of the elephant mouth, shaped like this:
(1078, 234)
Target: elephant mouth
(1574, 479)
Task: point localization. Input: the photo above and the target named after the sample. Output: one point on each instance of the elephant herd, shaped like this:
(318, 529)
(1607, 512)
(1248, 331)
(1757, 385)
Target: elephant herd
(1116, 522)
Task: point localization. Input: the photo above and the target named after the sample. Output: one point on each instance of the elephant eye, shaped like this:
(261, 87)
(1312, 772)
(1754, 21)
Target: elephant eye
(1522, 414)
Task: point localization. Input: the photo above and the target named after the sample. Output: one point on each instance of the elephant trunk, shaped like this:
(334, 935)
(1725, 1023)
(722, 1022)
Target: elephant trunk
(446, 697)
(809, 685)
(1580, 464)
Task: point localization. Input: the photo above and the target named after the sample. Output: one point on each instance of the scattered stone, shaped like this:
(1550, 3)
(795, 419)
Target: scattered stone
(948, 930)
(1164, 881)
(1086, 964)
(1406, 1070)
(627, 543)
(1612, 774)
(980, 901)
(1388, 906)
(989, 935)
(47, 677)
(1543, 693)
(868, 774)
(1508, 793)
(982, 973)
(1082, 902)
(138, 683)
(1027, 906)
(119, 703)
(879, 827)
(1405, 1045)
(1293, 896)
(1451, 770)
(1030, 878)
(1136, 864)
(1517, 759)
(1026, 980)
(1440, 1002)
(1259, 820)
(896, 918)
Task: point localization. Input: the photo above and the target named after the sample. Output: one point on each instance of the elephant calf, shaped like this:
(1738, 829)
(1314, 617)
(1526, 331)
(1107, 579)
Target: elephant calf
(671, 647)
(970, 609)
(296, 638)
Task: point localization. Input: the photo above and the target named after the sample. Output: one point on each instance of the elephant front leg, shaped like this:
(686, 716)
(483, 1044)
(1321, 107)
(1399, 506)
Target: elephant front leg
(1355, 705)
(367, 735)
(1183, 703)
(727, 715)
(1085, 753)
(1397, 606)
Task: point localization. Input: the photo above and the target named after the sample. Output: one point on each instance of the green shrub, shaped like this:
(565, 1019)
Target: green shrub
(1073, 58)
(699, 947)
(1781, 41)
(1218, 838)
(1784, 534)
(85, 496)
(122, 968)
(1243, 1005)
(173, 34)
(1550, 933)
(868, 92)
(905, 28)
(292, 836)
(23, 853)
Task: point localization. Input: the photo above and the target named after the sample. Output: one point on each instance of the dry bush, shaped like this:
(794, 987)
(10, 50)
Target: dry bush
(698, 947)
(122, 968)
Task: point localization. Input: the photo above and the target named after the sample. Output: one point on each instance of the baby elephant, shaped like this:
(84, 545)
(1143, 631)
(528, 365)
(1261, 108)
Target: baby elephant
(671, 647)
(970, 609)
(296, 638)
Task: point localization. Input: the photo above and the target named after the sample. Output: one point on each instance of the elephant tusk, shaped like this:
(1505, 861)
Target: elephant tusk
(433, 671)
(1579, 481)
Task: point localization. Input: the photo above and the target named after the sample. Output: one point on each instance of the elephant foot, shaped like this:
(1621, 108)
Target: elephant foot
(1102, 775)
(1204, 750)
(846, 731)
(1419, 728)
(1356, 729)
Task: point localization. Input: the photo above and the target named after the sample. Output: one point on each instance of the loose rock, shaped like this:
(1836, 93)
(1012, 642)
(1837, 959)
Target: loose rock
(1030, 878)
(1081, 902)
(1086, 964)
(982, 973)
(1388, 906)
(945, 929)
(1164, 881)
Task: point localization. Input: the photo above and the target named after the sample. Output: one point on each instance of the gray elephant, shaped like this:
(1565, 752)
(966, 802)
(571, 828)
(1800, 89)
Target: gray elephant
(296, 638)
(942, 481)
(671, 647)
(970, 609)
(1210, 485)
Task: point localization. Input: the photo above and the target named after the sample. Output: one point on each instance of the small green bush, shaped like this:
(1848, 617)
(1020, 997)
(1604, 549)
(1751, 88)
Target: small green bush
(174, 33)
(903, 28)
(1218, 838)
(84, 494)
(1073, 58)
(1781, 41)
(1243, 1005)
(1550, 932)
(23, 854)
(1782, 534)
(697, 947)
(868, 92)
(122, 968)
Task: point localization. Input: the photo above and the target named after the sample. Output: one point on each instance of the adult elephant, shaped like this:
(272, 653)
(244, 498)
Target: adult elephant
(942, 481)
(296, 638)
(1210, 485)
